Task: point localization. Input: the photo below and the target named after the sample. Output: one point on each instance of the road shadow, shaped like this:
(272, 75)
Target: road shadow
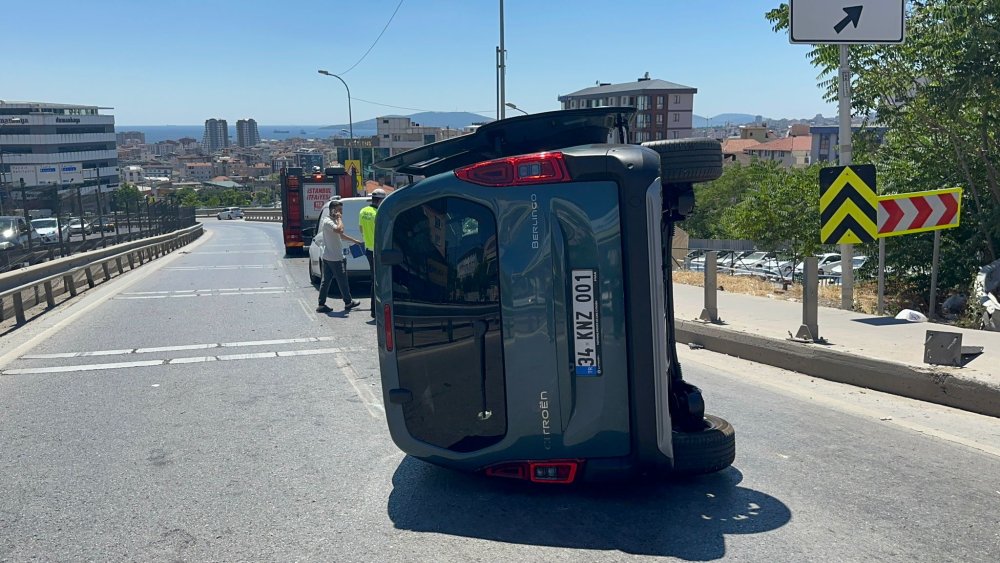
(882, 321)
(687, 519)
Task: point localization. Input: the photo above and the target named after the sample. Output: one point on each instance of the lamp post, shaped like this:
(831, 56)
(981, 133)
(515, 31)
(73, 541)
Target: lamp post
(512, 106)
(350, 118)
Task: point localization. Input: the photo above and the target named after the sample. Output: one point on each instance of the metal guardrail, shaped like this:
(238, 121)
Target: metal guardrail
(65, 271)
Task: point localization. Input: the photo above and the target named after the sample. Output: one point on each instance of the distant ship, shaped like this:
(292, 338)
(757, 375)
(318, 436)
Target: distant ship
(280, 131)
(302, 132)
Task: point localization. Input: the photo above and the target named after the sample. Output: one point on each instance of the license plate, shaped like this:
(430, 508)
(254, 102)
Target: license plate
(586, 324)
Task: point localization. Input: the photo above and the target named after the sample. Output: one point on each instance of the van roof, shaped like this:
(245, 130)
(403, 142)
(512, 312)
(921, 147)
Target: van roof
(508, 137)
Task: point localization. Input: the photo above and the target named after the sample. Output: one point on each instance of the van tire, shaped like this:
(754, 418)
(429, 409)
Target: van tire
(709, 450)
(688, 161)
(313, 278)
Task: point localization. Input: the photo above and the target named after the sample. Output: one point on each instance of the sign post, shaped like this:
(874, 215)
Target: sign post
(846, 22)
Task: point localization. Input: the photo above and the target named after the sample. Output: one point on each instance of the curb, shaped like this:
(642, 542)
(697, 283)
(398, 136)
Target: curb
(939, 387)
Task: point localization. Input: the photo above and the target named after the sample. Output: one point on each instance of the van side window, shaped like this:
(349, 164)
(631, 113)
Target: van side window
(446, 294)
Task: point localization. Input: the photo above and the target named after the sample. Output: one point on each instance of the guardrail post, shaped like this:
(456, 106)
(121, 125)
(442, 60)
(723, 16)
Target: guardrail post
(69, 284)
(107, 271)
(118, 261)
(131, 261)
(711, 311)
(49, 297)
(19, 308)
(810, 301)
(90, 276)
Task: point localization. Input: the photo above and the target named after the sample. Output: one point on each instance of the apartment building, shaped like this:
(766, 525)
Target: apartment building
(247, 134)
(665, 110)
(216, 135)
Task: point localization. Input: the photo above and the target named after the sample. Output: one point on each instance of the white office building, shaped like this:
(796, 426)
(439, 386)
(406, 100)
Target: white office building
(45, 144)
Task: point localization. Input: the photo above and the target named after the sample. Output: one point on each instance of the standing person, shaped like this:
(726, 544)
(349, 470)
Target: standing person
(366, 220)
(334, 264)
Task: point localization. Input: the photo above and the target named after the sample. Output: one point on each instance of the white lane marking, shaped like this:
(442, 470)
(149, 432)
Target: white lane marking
(372, 403)
(49, 325)
(240, 267)
(173, 348)
(214, 293)
(317, 351)
(274, 342)
(84, 367)
(183, 347)
(192, 360)
(366, 395)
(239, 252)
(255, 356)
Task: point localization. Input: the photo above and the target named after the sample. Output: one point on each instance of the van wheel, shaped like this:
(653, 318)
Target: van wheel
(313, 278)
(688, 161)
(711, 449)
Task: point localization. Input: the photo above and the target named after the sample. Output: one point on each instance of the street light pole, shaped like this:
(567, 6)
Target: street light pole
(502, 63)
(350, 119)
(512, 106)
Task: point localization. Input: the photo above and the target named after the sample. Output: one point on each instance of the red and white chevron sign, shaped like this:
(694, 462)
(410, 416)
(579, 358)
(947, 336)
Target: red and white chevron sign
(904, 214)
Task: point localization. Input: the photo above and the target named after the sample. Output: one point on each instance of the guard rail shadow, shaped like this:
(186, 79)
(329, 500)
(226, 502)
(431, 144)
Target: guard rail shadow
(26, 289)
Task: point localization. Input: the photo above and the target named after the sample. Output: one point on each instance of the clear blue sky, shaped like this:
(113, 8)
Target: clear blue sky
(180, 62)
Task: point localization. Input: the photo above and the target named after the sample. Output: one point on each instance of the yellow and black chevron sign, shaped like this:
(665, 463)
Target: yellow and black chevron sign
(848, 204)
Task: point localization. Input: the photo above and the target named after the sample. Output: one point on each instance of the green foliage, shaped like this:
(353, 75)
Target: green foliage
(939, 96)
(126, 195)
(776, 207)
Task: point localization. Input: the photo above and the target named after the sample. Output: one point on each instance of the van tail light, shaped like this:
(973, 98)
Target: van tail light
(553, 471)
(526, 169)
(387, 313)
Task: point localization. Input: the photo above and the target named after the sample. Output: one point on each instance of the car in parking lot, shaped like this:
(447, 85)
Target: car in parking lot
(357, 266)
(49, 229)
(78, 226)
(525, 317)
(106, 224)
(18, 239)
(230, 213)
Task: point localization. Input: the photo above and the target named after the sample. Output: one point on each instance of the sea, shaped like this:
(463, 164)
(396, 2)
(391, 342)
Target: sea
(157, 133)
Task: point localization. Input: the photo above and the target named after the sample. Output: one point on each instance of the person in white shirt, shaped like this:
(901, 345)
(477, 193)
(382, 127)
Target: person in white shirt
(334, 264)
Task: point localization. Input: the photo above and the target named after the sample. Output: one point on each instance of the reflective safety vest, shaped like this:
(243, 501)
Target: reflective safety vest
(367, 222)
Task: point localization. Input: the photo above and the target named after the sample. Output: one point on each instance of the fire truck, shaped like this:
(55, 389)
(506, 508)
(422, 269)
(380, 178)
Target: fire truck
(303, 196)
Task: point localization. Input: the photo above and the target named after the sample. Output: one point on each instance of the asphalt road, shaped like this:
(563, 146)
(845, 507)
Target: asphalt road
(199, 409)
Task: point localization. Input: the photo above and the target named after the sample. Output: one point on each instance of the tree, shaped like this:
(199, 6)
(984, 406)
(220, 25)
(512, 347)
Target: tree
(126, 195)
(939, 95)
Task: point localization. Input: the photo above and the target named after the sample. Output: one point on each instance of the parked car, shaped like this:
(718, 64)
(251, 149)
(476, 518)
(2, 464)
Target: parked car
(16, 237)
(580, 379)
(822, 260)
(357, 266)
(79, 226)
(106, 224)
(49, 229)
(857, 261)
(230, 213)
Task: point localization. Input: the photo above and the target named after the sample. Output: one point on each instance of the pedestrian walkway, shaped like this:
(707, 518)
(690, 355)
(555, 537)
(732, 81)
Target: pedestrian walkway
(890, 352)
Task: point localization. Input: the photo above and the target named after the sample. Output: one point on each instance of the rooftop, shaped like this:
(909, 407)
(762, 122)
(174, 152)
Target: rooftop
(644, 84)
(787, 144)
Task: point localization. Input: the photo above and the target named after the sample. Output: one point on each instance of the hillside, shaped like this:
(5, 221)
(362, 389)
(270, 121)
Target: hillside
(445, 119)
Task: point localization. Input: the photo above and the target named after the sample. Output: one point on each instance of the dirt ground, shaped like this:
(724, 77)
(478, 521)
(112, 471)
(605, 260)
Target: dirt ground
(865, 294)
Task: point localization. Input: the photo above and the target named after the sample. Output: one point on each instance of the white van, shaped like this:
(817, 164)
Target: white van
(357, 267)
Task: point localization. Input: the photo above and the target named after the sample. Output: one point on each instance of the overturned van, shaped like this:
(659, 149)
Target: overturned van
(525, 307)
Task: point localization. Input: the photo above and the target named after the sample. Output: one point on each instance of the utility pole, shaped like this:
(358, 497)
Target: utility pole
(501, 71)
(846, 148)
